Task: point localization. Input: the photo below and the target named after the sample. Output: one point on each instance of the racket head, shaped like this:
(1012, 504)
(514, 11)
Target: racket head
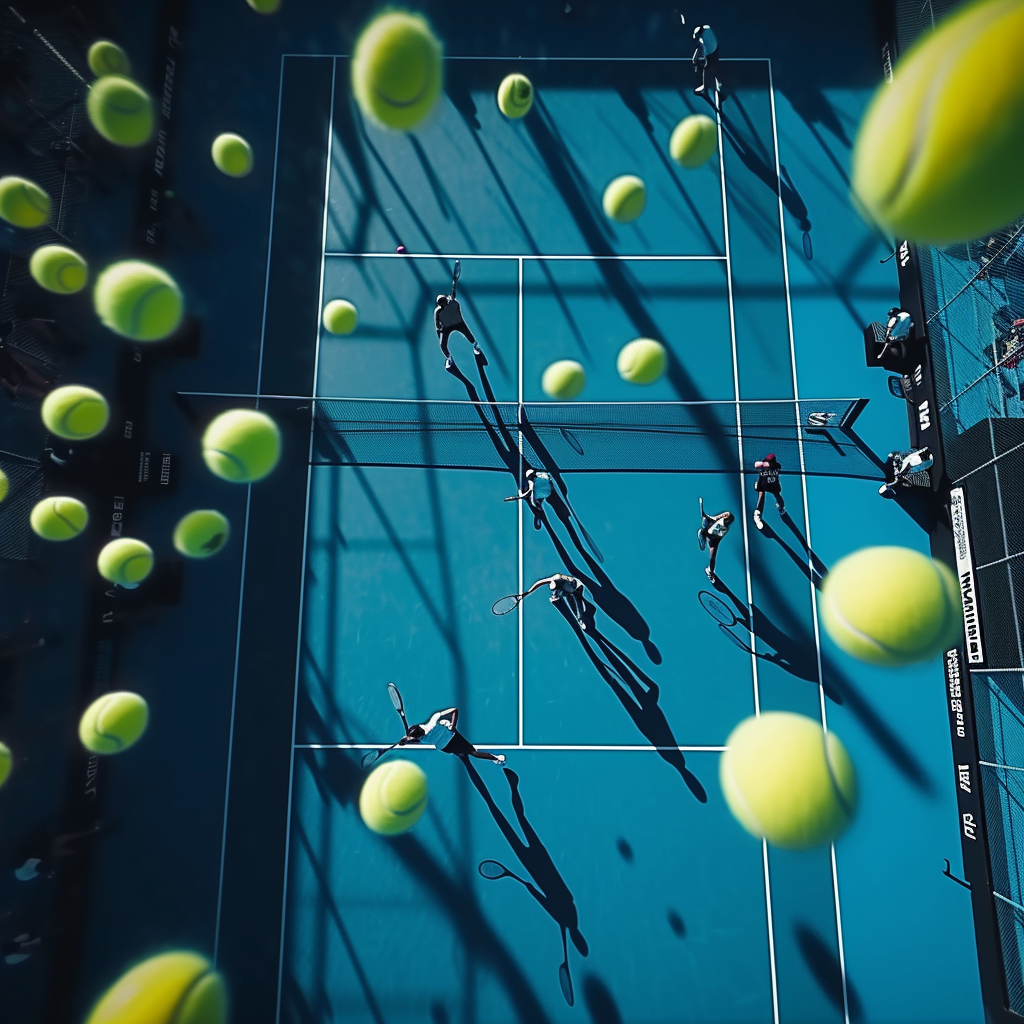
(571, 440)
(492, 870)
(396, 698)
(735, 639)
(504, 605)
(717, 609)
(565, 982)
(457, 271)
(371, 757)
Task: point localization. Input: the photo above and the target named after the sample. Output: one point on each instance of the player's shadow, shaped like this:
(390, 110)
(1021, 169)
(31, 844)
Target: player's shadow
(550, 889)
(827, 971)
(638, 694)
(817, 564)
(799, 645)
(339, 779)
(812, 570)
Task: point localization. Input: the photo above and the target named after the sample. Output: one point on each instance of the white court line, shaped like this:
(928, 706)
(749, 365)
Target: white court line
(245, 543)
(270, 231)
(1007, 767)
(807, 522)
(302, 563)
(515, 256)
(509, 746)
(746, 546)
(520, 509)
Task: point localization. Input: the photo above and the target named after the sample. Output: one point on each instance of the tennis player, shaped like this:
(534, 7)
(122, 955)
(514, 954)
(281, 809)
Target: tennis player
(705, 56)
(710, 535)
(768, 483)
(440, 729)
(567, 589)
(537, 490)
(448, 319)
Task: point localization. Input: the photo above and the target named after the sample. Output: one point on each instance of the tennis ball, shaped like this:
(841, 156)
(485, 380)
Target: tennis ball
(264, 6)
(788, 781)
(58, 518)
(891, 606)
(125, 561)
(23, 203)
(172, 988)
(515, 96)
(642, 361)
(6, 762)
(107, 58)
(58, 269)
(934, 162)
(564, 379)
(74, 412)
(201, 533)
(120, 110)
(232, 155)
(5, 485)
(242, 445)
(393, 798)
(625, 198)
(340, 316)
(138, 300)
(397, 70)
(693, 140)
(113, 722)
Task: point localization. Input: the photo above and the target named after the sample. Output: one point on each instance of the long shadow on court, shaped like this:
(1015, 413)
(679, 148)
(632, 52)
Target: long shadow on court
(837, 685)
(638, 694)
(827, 971)
(339, 779)
(550, 890)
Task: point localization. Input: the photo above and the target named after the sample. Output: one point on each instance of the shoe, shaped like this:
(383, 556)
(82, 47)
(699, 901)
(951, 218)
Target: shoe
(448, 364)
(500, 761)
(758, 521)
(710, 575)
(781, 508)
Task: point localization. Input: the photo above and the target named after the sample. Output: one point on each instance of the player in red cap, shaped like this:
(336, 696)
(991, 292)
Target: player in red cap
(768, 483)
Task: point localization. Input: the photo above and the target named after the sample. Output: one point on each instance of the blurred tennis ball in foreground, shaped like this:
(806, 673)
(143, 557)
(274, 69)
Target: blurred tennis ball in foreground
(939, 155)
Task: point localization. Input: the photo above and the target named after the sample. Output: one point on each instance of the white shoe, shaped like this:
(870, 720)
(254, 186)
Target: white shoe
(710, 575)
(758, 521)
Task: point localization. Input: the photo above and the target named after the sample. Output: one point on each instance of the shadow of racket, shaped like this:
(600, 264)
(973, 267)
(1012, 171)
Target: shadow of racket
(726, 619)
(492, 870)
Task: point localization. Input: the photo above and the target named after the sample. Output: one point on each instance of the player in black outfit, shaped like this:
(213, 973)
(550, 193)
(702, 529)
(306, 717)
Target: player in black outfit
(768, 483)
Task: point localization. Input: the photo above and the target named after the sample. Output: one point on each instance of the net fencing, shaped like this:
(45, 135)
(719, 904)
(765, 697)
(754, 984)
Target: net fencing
(596, 437)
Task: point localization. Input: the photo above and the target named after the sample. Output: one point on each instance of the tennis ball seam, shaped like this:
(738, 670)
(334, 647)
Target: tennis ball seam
(925, 113)
(31, 197)
(837, 790)
(138, 307)
(111, 737)
(186, 992)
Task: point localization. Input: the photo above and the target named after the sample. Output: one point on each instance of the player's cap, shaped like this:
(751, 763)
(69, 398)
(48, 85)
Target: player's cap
(770, 457)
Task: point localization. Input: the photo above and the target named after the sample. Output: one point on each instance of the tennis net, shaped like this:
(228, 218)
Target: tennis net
(596, 437)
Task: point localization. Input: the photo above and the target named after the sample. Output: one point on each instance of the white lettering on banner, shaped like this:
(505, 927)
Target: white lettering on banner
(964, 772)
(965, 571)
(924, 415)
(904, 253)
(969, 826)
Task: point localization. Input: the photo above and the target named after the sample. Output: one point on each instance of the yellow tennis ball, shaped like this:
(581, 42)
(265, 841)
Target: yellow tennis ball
(393, 797)
(23, 203)
(120, 110)
(625, 198)
(201, 533)
(6, 763)
(340, 316)
(138, 300)
(642, 361)
(58, 269)
(938, 160)
(264, 6)
(788, 781)
(171, 988)
(232, 155)
(125, 561)
(242, 445)
(515, 96)
(891, 606)
(564, 379)
(75, 412)
(5, 485)
(113, 722)
(58, 518)
(107, 58)
(397, 70)
(694, 140)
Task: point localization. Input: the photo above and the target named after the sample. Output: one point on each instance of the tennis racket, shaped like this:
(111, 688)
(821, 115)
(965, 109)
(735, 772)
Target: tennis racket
(701, 539)
(371, 757)
(396, 700)
(504, 605)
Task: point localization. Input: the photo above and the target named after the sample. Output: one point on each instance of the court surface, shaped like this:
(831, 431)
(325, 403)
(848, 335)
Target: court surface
(631, 871)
